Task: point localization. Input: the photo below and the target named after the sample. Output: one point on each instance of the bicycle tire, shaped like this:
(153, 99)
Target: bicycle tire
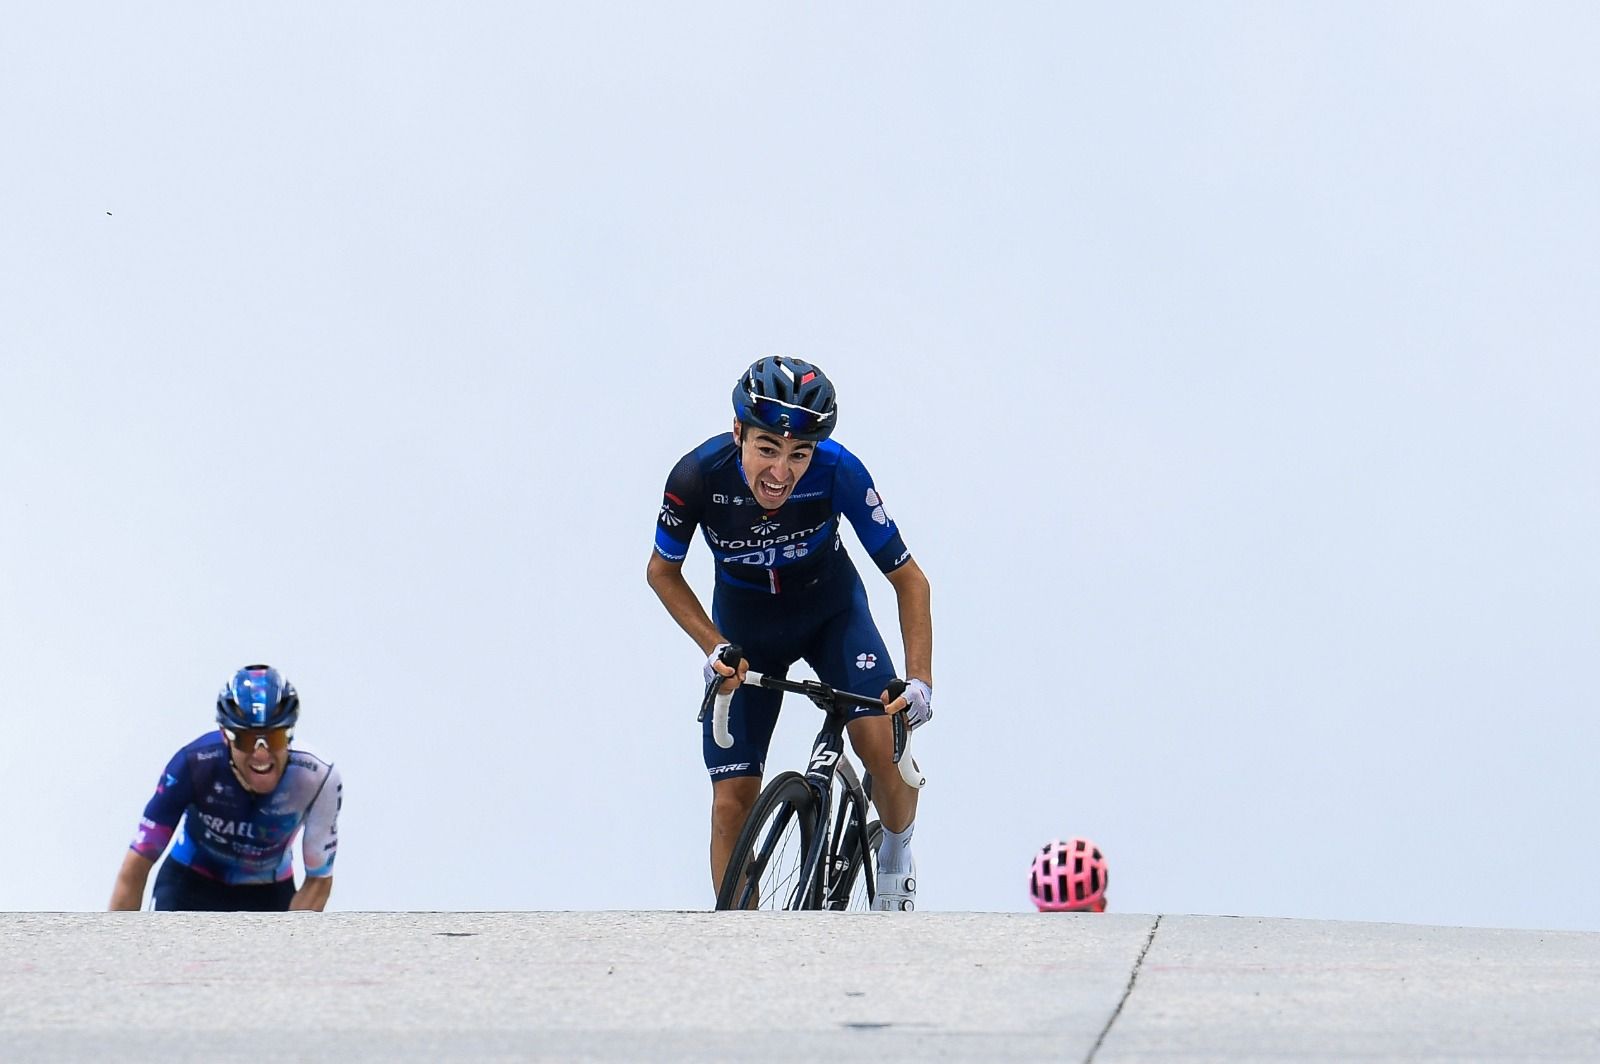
(771, 848)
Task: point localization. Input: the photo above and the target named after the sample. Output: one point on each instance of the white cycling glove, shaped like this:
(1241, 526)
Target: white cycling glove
(919, 703)
(712, 675)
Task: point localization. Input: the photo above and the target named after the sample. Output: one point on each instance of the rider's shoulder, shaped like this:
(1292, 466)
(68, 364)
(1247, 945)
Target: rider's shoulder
(830, 452)
(716, 453)
(208, 746)
(718, 450)
(306, 761)
(828, 456)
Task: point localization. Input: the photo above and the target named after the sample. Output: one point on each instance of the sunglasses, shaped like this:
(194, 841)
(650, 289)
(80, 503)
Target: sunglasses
(788, 417)
(246, 739)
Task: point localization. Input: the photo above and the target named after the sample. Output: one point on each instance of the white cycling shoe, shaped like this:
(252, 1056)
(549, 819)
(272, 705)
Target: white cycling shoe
(897, 891)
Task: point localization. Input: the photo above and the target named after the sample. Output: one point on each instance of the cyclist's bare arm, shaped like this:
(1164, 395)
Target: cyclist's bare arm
(915, 599)
(666, 580)
(128, 894)
(313, 894)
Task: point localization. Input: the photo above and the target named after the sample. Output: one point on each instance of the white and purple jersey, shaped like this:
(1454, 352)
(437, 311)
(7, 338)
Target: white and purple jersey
(232, 835)
(785, 549)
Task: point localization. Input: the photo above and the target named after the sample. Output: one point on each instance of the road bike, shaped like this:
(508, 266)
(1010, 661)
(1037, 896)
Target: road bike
(807, 843)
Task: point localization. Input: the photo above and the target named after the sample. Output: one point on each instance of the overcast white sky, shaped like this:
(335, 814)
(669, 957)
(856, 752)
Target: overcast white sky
(1231, 370)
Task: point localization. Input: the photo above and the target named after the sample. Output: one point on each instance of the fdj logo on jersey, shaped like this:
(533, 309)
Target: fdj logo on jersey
(789, 546)
(770, 556)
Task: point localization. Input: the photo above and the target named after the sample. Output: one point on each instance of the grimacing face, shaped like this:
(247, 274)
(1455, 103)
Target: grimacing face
(258, 767)
(772, 464)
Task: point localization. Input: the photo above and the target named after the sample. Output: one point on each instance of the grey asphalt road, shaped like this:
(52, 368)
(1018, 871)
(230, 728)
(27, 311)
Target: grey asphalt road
(614, 986)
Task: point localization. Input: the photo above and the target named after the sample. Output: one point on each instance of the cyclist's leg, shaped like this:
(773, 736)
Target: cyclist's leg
(872, 736)
(850, 653)
(736, 772)
(752, 716)
(732, 798)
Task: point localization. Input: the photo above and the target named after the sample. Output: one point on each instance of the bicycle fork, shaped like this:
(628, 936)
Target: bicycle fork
(828, 864)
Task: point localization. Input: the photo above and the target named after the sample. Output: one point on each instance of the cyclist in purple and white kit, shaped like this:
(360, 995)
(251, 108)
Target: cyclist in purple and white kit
(231, 804)
(769, 496)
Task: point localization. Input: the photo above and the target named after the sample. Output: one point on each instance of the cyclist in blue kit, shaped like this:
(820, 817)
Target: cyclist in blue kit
(231, 804)
(768, 497)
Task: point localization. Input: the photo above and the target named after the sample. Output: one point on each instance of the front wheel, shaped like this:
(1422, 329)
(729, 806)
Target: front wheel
(764, 869)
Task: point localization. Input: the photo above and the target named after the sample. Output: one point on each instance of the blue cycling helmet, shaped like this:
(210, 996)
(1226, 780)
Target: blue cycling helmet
(787, 396)
(258, 697)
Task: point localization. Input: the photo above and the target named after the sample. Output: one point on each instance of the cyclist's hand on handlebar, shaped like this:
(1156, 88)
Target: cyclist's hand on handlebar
(715, 667)
(916, 702)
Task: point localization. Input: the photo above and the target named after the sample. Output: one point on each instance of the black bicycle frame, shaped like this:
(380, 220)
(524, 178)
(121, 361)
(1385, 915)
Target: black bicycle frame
(828, 761)
(816, 879)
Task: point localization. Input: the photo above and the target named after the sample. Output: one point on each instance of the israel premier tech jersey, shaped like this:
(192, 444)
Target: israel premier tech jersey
(794, 546)
(235, 836)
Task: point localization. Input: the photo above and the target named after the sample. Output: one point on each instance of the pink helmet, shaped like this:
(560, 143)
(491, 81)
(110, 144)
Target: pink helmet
(1069, 876)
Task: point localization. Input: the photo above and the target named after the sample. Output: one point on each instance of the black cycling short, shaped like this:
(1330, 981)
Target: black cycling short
(180, 888)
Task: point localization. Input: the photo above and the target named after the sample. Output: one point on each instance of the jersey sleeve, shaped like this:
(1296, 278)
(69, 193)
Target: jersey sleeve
(174, 792)
(320, 843)
(681, 508)
(858, 500)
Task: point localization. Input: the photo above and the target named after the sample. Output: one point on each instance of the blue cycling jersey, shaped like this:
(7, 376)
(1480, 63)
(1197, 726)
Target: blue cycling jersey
(795, 552)
(224, 832)
(787, 549)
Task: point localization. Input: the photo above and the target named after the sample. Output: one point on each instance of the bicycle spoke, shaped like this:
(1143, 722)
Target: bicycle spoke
(781, 851)
(768, 860)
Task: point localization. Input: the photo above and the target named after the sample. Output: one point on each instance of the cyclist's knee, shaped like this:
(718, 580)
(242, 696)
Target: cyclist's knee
(731, 801)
